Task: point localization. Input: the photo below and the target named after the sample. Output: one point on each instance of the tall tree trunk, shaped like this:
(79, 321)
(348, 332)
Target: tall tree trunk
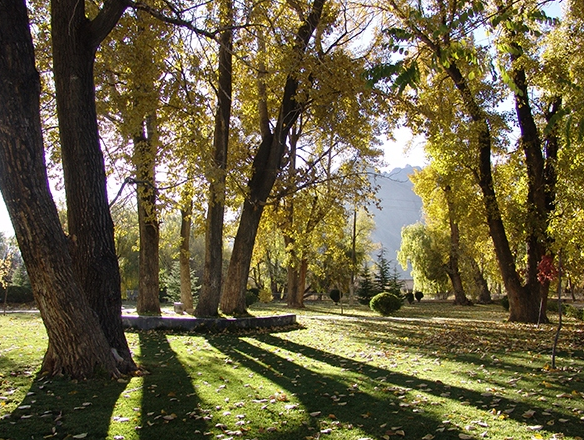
(522, 306)
(75, 40)
(537, 237)
(266, 166)
(480, 282)
(292, 299)
(77, 344)
(453, 266)
(145, 152)
(186, 289)
(210, 294)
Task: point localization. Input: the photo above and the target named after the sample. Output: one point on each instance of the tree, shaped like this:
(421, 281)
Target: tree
(366, 289)
(212, 276)
(75, 40)
(382, 275)
(424, 250)
(445, 38)
(266, 166)
(64, 307)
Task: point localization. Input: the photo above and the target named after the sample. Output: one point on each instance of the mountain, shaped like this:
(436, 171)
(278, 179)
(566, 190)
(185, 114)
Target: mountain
(400, 207)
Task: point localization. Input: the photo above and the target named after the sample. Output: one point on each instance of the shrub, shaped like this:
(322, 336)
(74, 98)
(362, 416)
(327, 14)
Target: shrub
(505, 302)
(419, 296)
(552, 306)
(410, 297)
(17, 295)
(335, 295)
(252, 296)
(573, 312)
(366, 289)
(385, 303)
(266, 296)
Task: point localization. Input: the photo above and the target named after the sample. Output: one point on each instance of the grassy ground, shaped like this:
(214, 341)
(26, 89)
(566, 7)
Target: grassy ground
(433, 371)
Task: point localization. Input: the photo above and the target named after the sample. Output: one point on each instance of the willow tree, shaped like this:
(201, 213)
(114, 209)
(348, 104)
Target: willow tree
(79, 345)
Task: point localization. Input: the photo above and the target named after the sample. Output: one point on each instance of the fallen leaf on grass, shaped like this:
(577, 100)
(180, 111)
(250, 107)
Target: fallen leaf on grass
(80, 435)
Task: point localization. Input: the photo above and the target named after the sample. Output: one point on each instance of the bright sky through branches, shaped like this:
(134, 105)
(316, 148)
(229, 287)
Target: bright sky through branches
(399, 153)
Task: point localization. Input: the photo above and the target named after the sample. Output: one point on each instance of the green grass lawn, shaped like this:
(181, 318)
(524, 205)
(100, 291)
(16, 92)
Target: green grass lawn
(434, 371)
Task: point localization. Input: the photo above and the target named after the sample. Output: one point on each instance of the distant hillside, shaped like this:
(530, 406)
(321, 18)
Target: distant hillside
(400, 207)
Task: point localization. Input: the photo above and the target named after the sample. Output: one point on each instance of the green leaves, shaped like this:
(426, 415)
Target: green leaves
(400, 75)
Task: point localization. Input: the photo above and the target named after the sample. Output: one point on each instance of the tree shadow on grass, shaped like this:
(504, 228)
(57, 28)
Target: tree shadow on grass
(63, 408)
(513, 409)
(349, 405)
(169, 404)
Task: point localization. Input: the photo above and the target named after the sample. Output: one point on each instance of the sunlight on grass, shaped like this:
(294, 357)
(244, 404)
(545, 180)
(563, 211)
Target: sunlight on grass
(431, 372)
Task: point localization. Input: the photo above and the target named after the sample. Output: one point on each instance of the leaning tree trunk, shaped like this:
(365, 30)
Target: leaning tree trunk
(145, 150)
(75, 40)
(523, 307)
(77, 345)
(266, 166)
(210, 294)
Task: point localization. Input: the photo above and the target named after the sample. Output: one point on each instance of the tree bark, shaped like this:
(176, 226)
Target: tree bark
(75, 40)
(266, 166)
(481, 283)
(537, 237)
(210, 294)
(523, 307)
(453, 269)
(186, 289)
(145, 151)
(77, 344)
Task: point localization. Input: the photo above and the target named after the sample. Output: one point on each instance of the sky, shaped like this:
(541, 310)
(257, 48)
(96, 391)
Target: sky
(396, 156)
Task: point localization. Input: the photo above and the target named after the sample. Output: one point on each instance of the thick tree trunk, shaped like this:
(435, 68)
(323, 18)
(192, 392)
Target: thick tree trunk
(145, 151)
(537, 237)
(266, 166)
(210, 294)
(186, 289)
(77, 345)
(75, 40)
(484, 296)
(523, 305)
(233, 298)
(293, 287)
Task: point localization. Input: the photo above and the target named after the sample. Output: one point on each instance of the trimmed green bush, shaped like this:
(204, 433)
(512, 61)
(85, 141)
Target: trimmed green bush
(552, 305)
(410, 297)
(335, 295)
(505, 302)
(419, 295)
(17, 295)
(385, 303)
(252, 296)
